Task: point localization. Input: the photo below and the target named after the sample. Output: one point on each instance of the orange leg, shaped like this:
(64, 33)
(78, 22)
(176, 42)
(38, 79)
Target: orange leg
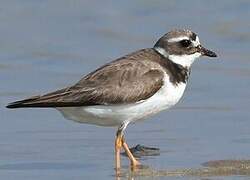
(134, 163)
(118, 145)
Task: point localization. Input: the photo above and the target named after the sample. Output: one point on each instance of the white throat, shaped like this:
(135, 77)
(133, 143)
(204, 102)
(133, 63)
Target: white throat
(183, 60)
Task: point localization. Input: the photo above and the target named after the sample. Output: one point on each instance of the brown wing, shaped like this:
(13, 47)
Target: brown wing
(126, 80)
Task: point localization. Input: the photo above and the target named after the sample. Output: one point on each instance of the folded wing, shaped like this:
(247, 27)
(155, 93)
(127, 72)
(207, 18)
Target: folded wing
(119, 82)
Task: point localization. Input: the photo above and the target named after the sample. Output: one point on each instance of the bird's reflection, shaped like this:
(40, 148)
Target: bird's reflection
(130, 173)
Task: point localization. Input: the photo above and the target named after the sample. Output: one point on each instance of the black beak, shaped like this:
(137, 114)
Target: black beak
(206, 52)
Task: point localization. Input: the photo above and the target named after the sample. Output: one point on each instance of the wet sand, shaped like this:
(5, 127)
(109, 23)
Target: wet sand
(218, 168)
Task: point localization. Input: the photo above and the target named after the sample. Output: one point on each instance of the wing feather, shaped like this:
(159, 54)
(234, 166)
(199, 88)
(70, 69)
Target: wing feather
(119, 82)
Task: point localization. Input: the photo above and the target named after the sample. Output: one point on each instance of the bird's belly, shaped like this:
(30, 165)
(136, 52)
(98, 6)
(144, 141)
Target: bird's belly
(115, 115)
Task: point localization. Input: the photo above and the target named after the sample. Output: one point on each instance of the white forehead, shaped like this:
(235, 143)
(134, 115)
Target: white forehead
(196, 42)
(177, 39)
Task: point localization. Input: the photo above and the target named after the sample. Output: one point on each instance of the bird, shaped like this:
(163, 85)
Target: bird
(128, 89)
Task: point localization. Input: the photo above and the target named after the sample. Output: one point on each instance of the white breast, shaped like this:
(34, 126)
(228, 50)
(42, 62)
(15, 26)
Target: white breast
(115, 115)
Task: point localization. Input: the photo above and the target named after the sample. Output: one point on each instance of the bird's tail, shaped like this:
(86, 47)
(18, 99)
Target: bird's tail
(30, 102)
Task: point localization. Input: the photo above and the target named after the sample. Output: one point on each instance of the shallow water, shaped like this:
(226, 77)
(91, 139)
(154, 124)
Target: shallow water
(46, 45)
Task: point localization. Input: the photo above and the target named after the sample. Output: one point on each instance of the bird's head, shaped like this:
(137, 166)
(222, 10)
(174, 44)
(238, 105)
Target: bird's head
(182, 47)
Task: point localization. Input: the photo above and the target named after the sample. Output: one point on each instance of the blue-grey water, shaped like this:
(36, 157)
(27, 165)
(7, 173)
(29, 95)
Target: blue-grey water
(46, 45)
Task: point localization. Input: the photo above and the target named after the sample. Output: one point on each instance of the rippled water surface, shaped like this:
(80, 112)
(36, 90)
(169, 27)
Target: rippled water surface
(46, 45)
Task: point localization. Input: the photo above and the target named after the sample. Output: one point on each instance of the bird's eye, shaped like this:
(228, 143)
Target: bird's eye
(185, 43)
